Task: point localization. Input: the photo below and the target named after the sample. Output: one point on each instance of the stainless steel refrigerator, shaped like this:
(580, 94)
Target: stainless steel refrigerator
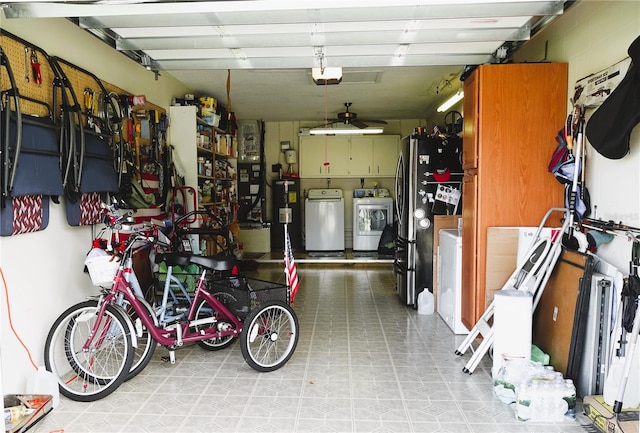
(428, 182)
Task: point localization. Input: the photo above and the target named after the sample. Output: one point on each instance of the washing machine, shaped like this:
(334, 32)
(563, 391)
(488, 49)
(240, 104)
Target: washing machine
(324, 220)
(370, 216)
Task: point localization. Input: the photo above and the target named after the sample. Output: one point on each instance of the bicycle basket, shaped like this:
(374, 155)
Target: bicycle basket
(242, 295)
(102, 269)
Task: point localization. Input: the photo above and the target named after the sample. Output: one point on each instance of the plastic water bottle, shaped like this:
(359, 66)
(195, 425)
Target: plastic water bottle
(523, 401)
(549, 372)
(542, 403)
(558, 406)
(569, 395)
(14, 414)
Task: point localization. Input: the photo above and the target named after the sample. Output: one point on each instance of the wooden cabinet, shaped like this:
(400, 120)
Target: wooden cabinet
(348, 156)
(512, 114)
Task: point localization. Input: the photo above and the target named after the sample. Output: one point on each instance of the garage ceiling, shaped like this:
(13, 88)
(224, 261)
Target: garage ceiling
(400, 58)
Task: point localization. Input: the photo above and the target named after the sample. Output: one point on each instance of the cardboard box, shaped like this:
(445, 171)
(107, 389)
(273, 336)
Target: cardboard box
(256, 240)
(601, 415)
(502, 249)
(208, 110)
(506, 247)
(208, 104)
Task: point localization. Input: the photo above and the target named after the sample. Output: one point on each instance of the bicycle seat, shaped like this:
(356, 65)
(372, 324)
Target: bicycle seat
(173, 259)
(218, 262)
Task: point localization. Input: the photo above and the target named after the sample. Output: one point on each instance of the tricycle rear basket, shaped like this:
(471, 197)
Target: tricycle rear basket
(242, 295)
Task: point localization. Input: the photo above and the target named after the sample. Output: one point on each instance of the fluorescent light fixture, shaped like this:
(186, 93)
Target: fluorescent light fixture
(323, 76)
(451, 101)
(345, 131)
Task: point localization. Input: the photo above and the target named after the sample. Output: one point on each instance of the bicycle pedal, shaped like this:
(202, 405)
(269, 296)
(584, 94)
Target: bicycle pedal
(171, 358)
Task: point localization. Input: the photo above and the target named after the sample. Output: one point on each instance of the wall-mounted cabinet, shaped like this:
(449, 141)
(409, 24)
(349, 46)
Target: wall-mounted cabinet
(324, 156)
(373, 156)
(348, 156)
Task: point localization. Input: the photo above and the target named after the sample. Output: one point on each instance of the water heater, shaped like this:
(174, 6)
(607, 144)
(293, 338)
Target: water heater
(290, 156)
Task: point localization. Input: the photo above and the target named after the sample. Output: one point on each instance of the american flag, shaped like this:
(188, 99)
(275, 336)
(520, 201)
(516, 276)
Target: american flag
(290, 266)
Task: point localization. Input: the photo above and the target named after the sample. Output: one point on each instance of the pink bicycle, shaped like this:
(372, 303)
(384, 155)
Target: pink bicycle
(92, 345)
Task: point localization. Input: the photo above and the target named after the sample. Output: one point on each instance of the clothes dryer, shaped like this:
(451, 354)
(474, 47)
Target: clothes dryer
(370, 216)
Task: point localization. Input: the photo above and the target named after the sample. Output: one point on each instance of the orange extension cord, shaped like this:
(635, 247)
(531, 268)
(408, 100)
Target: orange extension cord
(6, 294)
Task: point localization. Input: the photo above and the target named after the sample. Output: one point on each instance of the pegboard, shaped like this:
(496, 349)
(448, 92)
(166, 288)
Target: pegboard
(21, 67)
(80, 80)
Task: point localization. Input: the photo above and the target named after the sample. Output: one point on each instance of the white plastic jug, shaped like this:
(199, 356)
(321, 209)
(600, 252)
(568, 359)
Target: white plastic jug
(44, 382)
(631, 396)
(425, 302)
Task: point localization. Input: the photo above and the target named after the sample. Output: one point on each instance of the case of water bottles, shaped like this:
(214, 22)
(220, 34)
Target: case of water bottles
(546, 398)
(537, 393)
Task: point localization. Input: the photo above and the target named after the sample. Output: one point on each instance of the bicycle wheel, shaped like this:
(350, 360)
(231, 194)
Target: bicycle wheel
(146, 344)
(93, 373)
(205, 310)
(269, 336)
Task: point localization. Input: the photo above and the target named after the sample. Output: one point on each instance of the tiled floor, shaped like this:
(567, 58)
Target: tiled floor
(364, 363)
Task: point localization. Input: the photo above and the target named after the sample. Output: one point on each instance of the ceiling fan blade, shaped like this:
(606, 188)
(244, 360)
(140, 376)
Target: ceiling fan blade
(358, 123)
(382, 122)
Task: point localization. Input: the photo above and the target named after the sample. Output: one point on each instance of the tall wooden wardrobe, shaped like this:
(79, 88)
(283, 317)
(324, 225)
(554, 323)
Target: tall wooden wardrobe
(512, 114)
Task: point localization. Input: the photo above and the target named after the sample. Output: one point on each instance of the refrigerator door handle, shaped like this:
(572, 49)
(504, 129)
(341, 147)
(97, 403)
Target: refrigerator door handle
(399, 167)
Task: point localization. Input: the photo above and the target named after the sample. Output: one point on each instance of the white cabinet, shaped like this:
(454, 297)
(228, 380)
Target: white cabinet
(348, 156)
(361, 156)
(322, 156)
(385, 155)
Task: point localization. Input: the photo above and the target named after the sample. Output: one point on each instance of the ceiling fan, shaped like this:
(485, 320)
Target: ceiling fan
(351, 118)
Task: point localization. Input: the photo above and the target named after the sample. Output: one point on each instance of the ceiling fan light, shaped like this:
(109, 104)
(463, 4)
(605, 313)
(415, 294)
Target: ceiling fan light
(323, 76)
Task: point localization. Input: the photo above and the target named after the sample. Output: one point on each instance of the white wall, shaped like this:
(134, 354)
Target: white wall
(592, 36)
(43, 271)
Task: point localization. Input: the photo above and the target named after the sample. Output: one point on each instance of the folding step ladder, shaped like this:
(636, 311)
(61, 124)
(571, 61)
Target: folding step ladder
(531, 275)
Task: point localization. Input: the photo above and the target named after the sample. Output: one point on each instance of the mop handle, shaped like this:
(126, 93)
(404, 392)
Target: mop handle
(577, 167)
(617, 406)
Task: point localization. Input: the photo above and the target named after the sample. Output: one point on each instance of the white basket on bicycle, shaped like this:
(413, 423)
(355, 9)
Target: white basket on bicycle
(102, 267)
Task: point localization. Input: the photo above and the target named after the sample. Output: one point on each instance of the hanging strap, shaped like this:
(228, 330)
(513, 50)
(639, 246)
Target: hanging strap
(229, 109)
(635, 256)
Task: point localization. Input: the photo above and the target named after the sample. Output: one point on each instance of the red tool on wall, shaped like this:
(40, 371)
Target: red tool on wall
(35, 68)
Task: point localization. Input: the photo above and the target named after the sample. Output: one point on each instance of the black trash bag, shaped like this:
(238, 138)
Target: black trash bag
(630, 293)
(386, 245)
